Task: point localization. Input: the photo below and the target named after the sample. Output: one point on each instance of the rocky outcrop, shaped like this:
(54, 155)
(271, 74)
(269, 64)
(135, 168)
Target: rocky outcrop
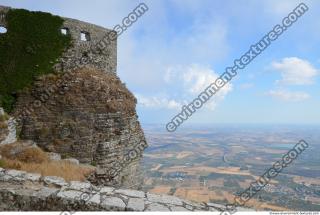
(92, 118)
(31, 192)
(90, 115)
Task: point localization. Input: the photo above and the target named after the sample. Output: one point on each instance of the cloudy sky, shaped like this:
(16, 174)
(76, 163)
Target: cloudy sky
(179, 47)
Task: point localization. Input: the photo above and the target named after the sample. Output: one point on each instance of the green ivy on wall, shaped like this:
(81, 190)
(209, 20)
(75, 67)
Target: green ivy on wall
(30, 47)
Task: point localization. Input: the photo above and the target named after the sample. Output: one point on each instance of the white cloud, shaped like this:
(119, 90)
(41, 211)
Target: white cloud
(189, 82)
(157, 102)
(161, 43)
(295, 71)
(198, 78)
(246, 86)
(285, 95)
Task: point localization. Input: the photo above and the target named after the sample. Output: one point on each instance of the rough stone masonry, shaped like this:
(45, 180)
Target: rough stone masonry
(94, 120)
(31, 192)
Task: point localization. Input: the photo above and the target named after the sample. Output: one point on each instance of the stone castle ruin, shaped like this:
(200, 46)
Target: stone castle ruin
(82, 112)
(86, 50)
(94, 120)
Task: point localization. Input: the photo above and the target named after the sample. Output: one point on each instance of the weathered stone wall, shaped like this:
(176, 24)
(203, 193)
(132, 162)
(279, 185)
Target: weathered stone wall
(3, 11)
(88, 52)
(31, 192)
(93, 120)
(84, 52)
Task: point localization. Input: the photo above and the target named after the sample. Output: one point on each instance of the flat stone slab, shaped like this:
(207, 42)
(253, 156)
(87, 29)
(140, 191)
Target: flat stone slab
(178, 208)
(77, 185)
(244, 209)
(70, 194)
(46, 192)
(157, 207)
(165, 199)
(94, 199)
(16, 173)
(136, 204)
(12, 175)
(113, 203)
(107, 190)
(33, 177)
(54, 180)
(217, 206)
(131, 193)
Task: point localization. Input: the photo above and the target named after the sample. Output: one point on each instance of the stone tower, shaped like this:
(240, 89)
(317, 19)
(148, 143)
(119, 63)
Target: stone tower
(95, 120)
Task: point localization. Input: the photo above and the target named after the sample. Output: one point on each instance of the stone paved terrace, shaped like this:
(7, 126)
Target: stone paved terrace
(24, 191)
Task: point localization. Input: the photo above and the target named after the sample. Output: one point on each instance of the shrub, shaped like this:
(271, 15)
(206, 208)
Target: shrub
(64, 169)
(3, 125)
(27, 154)
(4, 117)
(32, 155)
(30, 48)
(34, 160)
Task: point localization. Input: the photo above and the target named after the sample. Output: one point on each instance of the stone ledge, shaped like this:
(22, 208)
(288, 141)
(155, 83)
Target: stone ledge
(51, 193)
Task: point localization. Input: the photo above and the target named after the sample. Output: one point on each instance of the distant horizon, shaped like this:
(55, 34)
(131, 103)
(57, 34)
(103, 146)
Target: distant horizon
(203, 126)
(238, 123)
